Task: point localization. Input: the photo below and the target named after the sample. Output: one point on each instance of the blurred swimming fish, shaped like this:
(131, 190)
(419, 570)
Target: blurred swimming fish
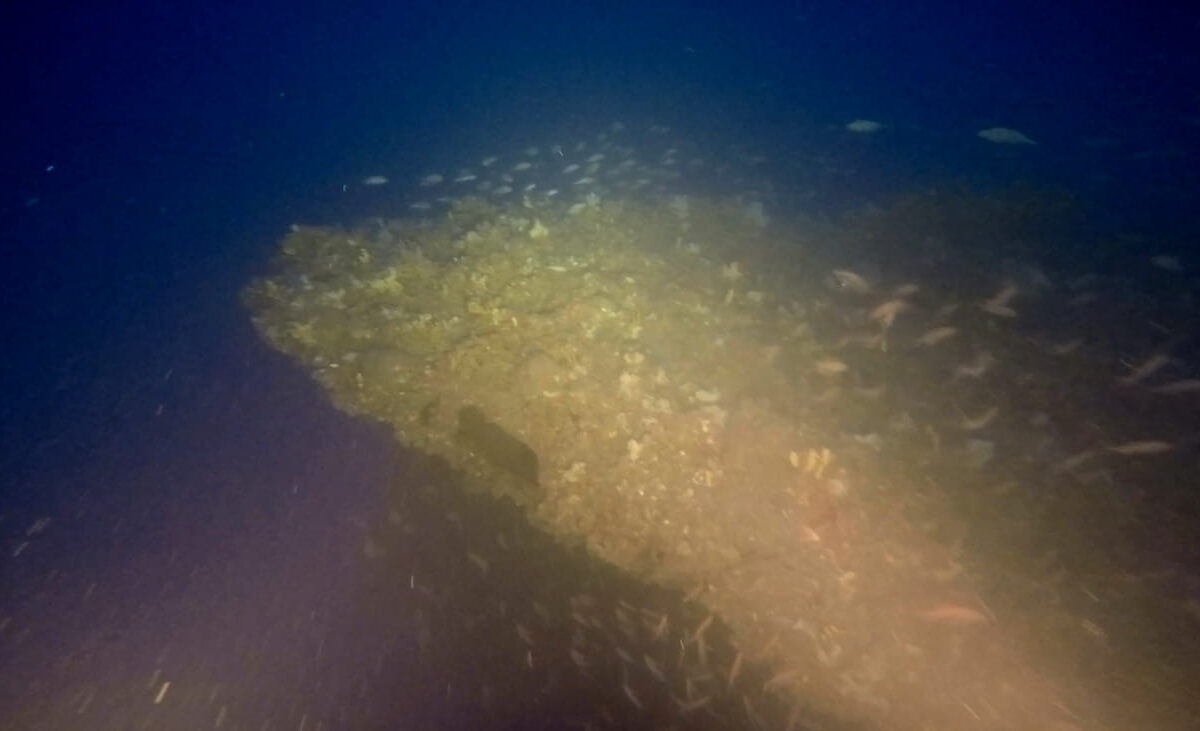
(1146, 368)
(937, 335)
(982, 364)
(1066, 348)
(979, 422)
(1148, 446)
(1005, 136)
(1075, 460)
(955, 614)
(998, 303)
(849, 281)
(885, 314)
(830, 367)
(1187, 385)
(1169, 263)
(864, 126)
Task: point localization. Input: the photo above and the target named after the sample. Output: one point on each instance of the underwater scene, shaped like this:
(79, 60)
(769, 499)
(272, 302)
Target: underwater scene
(729, 369)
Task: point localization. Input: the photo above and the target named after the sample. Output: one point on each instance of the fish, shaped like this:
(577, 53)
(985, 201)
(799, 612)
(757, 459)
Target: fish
(849, 281)
(866, 340)
(700, 630)
(374, 180)
(480, 562)
(654, 668)
(885, 314)
(695, 704)
(998, 303)
(579, 658)
(954, 614)
(525, 634)
(830, 367)
(631, 695)
(1148, 446)
(1005, 136)
(983, 363)
(980, 421)
(1070, 463)
(734, 669)
(431, 180)
(661, 628)
(1187, 385)
(1146, 368)
(945, 311)
(864, 126)
(937, 335)
(780, 679)
(1066, 348)
(1167, 263)
(872, 392)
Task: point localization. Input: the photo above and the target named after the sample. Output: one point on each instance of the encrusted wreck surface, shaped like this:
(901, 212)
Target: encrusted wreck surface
(645, 382)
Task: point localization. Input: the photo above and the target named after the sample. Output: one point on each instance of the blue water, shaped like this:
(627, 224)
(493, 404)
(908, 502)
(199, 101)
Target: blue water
(201, 499)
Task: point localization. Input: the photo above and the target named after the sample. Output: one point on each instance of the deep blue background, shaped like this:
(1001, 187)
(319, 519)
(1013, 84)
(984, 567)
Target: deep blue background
(154, 153)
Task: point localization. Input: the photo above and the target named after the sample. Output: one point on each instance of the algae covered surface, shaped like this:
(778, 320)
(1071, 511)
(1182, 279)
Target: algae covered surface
(690, 396)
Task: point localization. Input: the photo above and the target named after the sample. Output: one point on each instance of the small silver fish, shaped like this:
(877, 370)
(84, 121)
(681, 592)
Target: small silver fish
(885, 314)
(1146, 368)
(937, 335)
(1188, 385)
(998, 303)
(979, 422)
(1167, 262)
(1066, 348)
(849, 281)
(1075, 460)
(1149, 446)
(982, 365)
(654, 668)
(1005, 136)
(830, 367)
(631, 695)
